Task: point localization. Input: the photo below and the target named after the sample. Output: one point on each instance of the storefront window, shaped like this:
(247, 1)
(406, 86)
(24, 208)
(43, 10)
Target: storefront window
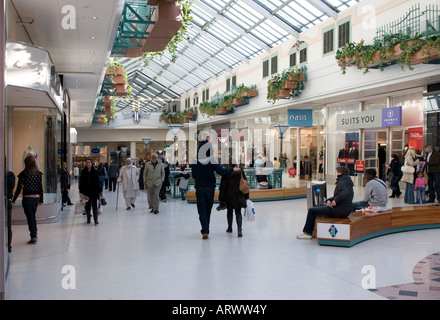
(342, 146)
(39, 129)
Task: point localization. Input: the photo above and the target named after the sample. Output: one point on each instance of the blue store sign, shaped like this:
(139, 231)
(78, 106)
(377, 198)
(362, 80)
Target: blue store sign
(95, 150)
(300, 118)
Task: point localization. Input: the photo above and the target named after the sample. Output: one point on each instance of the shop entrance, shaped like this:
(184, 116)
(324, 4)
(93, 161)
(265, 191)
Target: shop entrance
(375, 151)
(307, 152)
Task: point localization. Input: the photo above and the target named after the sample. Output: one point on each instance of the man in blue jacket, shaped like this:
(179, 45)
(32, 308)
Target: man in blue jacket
(205, 183)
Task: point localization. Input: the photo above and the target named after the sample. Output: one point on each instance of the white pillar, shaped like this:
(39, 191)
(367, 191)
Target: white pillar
(132, 149)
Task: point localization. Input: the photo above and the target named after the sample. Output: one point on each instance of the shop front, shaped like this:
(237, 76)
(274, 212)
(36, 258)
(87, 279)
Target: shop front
(34, 108)
(364, 135)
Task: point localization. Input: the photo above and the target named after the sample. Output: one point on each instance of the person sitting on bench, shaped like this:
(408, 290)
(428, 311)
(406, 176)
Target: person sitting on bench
(376, 192)
(340, 206)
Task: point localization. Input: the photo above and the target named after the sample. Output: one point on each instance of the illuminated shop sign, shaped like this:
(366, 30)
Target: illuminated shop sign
(388, 117)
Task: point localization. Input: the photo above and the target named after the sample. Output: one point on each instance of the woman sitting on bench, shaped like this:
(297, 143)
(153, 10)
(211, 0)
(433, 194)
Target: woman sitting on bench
(340, 206)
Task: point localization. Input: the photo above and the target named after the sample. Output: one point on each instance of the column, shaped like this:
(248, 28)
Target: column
(132, 149)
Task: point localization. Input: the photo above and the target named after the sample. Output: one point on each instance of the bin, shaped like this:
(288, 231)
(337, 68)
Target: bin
(316, 193)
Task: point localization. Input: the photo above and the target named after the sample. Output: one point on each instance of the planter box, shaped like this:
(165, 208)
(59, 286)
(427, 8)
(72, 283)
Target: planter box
(253, 93)
(284, 93)
(118, 79)
(114, 71)
(121, 90)
(168, 21)
(290, 84)
(107, 102)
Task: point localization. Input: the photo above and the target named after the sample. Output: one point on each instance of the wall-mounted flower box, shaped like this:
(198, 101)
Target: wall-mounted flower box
(287, 84)
(405, 52)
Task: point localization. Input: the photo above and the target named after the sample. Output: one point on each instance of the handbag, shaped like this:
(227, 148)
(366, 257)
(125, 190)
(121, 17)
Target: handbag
(244, 186)
(103, 202)
(408, 169)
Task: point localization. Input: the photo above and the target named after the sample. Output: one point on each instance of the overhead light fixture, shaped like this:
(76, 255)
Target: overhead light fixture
(92, 37)
(18, 64)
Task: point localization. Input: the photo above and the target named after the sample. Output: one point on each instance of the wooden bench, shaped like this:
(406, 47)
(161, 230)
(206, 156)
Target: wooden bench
(346, 232)
(257, 195)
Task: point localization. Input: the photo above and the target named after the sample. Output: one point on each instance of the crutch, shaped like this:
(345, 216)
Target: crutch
(117, 195)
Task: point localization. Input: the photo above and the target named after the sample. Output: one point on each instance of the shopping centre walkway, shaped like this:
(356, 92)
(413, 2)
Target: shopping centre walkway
(137, 255)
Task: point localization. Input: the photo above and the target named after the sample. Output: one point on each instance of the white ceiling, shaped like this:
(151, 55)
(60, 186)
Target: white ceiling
(80, 58)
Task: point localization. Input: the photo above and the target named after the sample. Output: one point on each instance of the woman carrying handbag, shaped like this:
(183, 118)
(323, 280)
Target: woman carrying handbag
(231, 197)
(409, 173)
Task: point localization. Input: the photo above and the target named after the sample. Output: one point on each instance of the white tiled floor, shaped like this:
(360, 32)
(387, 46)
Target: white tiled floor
(138, 255)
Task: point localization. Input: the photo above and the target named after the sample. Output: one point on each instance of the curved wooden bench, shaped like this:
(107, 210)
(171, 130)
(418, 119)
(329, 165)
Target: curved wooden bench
(257, 195)
(358, 227)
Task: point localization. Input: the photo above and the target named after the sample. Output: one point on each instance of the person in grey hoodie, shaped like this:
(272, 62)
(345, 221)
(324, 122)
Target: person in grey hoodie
(339, 206)
(376, 192)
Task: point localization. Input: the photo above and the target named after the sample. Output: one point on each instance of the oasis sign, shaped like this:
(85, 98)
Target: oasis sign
(300, 118)
(387, 117)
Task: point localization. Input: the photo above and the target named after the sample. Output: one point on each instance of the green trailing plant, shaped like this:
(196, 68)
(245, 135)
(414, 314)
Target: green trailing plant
(277, 83)
(383, 52)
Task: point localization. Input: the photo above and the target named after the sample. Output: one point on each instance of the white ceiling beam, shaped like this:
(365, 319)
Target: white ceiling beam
(266, 14)
(320, 5)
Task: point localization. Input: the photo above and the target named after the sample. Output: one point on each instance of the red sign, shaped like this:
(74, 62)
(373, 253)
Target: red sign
(360, 166)
(292, 172)
(415, 138)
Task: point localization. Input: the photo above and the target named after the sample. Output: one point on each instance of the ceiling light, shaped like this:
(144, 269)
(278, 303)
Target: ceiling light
(92, 52)
(92, 37)
(94, 18)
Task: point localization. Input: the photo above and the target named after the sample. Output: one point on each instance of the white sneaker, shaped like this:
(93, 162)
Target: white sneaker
(304, 237)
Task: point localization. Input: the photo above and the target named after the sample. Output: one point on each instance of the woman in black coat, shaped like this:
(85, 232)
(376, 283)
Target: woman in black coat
(339, 206)
(89, 186)
(231, 197)
(393, 171)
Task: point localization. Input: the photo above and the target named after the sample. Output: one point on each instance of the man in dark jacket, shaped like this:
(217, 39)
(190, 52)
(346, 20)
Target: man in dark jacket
(89, 186)
(113, 172)
(433, 169)
(205, 182)
(339, 206)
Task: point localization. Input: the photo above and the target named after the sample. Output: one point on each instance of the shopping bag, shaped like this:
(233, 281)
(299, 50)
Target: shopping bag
(249, 214)
(99, 208)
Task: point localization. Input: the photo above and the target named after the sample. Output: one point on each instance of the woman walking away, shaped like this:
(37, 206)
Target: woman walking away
(394, 173)
(409, 174)
(31, 181)
(232, 197)
(340, 206)
(89, 186)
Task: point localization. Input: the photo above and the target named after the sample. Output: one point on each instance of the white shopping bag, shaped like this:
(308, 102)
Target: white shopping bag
(249, 214)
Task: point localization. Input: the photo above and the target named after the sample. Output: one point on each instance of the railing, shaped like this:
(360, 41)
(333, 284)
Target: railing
(411, 24)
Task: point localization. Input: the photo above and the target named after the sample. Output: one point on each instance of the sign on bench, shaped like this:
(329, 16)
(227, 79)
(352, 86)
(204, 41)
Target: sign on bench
(358, 227)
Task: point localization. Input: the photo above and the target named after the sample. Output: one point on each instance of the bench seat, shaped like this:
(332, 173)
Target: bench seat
(346, 232)
(257, 195)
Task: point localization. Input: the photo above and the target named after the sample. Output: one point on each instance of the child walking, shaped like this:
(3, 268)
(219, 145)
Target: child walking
(420, 187)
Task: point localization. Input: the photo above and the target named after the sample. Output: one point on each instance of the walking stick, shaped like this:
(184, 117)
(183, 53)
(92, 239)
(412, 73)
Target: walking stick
(117, 196)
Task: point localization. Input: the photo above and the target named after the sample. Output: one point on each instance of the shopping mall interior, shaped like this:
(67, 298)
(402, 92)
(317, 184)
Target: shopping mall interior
(288, 91)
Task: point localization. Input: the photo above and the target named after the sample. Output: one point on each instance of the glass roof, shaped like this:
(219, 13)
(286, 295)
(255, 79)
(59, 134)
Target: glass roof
(223, 35)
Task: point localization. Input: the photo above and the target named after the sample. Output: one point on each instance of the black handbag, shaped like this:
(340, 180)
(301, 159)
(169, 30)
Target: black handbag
(103, 202)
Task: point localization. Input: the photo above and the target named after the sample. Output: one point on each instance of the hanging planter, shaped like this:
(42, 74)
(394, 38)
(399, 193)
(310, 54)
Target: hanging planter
(282, 85)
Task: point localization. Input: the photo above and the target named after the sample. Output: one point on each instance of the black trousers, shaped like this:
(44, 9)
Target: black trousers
(324, 211)
(92, 204)
(30, 206)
